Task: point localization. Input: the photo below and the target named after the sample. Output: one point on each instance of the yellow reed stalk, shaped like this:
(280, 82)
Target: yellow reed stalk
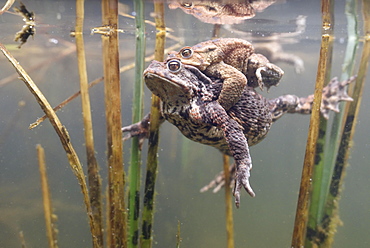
(48, 209)
(92, 165)
(112, 92)
(228, 202)
(62, 133)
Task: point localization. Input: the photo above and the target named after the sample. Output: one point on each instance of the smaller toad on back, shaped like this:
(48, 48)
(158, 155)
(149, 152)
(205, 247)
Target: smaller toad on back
(234, 61)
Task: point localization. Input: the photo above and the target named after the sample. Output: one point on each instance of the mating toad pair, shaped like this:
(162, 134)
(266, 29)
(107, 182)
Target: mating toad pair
(207, 92)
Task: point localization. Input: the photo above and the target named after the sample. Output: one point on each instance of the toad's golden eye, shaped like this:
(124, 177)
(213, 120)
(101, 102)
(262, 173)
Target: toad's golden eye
(187, 5)
(174, 66)
(186, 52)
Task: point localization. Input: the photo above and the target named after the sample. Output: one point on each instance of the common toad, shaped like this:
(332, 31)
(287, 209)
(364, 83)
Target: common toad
(189, 101)
(234, 61)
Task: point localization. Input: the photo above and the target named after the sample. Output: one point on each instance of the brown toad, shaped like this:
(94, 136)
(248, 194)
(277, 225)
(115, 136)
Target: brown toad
(189, 101)
(234, 61)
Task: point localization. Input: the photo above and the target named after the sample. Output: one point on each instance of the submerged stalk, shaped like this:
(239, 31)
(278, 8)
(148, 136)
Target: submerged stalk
(51, 231)
(92, 165)
(62, 132)
(228, 202)
(152, 161)
(299, 232)
(330, 221)
(137, 114)
(320, 179)
(112, 91)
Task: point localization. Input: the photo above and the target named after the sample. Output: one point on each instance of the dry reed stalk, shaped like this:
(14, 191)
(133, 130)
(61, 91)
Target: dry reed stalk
(6, 6)
(23, 241)
(301, 218)
(228, 202)
(62, 133)
(152, 161)
(112, 92)
(51, 231)
(94, 178)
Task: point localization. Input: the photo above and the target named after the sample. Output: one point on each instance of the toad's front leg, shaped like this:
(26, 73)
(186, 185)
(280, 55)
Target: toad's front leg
(214, 114)
(233, 85)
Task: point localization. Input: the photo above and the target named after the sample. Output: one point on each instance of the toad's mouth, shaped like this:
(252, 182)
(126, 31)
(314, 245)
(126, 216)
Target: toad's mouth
(153, 77)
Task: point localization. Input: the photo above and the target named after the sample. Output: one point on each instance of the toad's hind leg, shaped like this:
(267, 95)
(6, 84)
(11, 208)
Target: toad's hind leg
(332, 94)
(214, 114)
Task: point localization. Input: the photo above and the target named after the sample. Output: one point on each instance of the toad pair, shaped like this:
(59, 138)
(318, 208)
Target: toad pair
(207, 92)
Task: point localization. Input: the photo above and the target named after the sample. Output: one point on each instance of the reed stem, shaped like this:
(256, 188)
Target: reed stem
(62, 133)
(319, 179)
(137, 114)
(299, 232)
(51, 231)
(152, 161)
(6, 6)
(228, 202)
(331, 219)
(94, 178)
(112, 91)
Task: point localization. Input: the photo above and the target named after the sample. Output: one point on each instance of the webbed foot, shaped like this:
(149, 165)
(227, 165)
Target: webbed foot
(219, 181)
(242, 180)
(266, 73)
(139, 129)
(334, 93)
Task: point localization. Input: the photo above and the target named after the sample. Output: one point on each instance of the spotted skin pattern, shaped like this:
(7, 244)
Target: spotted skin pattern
(189, 102)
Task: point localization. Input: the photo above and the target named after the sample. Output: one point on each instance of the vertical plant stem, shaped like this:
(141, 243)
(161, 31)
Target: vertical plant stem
(61, 131)
(347, 70)
(178, 235)
(137, 114)
(23, 241)
(112, 92)
(92, 165)
(299, 232)
(216, 30)
(319, 182)
(331, 219)
(48, 209)
(228, 202)
(152, 161)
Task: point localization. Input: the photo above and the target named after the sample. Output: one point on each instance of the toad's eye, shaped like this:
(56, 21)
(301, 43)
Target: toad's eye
(174, 66)
(186, 52)
(187, 5)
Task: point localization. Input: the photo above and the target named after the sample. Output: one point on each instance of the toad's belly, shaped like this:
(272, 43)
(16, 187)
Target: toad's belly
(205, 133)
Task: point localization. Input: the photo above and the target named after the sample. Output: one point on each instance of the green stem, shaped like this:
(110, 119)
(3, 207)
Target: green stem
(152, 162)
(330, 220)
(319, 181)
(137, 114)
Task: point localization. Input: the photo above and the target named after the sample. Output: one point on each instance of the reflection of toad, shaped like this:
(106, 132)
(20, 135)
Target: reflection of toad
(270, 44)
(234, 61)
(221, 13)
(182, 89)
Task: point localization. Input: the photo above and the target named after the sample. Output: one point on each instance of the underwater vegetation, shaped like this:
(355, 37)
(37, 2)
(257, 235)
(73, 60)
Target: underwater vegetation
(120, 167)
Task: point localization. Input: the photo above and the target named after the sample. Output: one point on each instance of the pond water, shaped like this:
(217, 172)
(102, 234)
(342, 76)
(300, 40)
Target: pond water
(292, 28)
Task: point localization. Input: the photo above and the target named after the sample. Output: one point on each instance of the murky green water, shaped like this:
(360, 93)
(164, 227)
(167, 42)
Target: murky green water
(265, 221)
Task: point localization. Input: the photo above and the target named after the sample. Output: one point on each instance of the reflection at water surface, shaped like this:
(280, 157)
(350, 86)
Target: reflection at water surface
(287, 33)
